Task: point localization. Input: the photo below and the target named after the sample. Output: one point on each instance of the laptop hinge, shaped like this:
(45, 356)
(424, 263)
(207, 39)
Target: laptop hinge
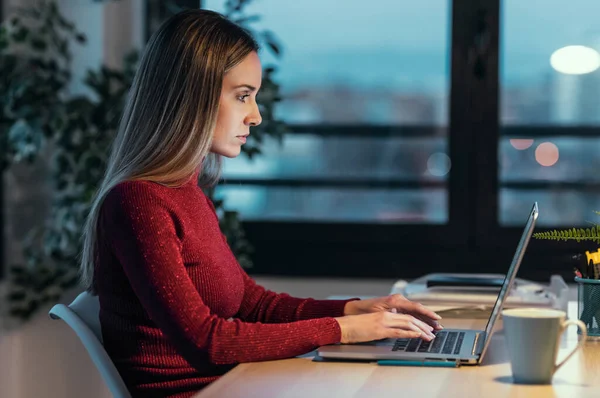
(479, 343)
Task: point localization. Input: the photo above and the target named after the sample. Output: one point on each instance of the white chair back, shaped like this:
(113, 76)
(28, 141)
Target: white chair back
(82, 315)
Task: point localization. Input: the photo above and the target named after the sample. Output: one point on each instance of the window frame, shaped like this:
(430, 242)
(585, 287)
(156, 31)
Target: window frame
(2, 201)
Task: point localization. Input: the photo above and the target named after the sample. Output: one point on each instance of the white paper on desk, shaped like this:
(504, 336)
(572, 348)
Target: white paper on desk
(465, 299)
(524, 293)
(441, 308)
(433, 307)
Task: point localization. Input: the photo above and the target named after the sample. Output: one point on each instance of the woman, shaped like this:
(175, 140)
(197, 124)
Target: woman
(177, 310)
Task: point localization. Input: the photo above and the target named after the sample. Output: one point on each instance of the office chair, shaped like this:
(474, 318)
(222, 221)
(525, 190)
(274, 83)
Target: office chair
(82, 315)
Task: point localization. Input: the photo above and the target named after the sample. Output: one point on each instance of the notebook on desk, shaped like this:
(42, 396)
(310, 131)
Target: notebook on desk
(458, 346)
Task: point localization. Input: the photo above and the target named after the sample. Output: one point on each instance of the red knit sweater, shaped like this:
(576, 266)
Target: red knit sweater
(176, 309)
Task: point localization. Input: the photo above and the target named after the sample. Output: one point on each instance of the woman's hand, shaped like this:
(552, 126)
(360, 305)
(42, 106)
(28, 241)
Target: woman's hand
(394, 303)
(382, 325)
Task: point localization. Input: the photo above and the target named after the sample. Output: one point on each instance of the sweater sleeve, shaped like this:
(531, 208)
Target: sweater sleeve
(145, 238)
(261, 305)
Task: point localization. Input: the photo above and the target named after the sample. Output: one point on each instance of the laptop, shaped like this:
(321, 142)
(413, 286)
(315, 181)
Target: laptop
(452, 346)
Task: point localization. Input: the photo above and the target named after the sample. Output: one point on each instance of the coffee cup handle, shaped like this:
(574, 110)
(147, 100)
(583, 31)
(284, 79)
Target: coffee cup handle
(580, 343)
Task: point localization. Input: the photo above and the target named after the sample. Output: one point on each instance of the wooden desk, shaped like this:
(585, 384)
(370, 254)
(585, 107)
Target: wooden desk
(301, 377)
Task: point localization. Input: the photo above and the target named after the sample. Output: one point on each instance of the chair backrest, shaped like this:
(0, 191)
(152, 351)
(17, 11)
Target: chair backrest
(82, 315)
(87, 307)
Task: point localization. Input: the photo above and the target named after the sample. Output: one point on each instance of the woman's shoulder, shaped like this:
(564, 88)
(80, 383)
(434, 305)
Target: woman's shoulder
(129, 189)
(140, 194)
(151, 194)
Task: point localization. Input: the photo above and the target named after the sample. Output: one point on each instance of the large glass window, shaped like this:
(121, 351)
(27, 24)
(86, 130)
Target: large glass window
(549, 108)
(353, 66)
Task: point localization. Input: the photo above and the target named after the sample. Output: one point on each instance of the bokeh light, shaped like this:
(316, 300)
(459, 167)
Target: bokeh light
(575, 60)
(521, 143)
(438, 164)
(546, 154)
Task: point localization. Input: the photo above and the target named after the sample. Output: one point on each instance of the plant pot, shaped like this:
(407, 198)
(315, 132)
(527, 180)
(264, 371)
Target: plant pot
(588, 305)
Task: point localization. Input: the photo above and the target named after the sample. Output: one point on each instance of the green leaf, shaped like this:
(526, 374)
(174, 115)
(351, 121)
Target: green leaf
(63, 48)
(53, 8)
(578, 235)
(37, 43)
(17, 295)
(272, 42)
(274, 48)
(16, 270)
(63, 23)
(21, 34)
(19, 131)
(3, 38)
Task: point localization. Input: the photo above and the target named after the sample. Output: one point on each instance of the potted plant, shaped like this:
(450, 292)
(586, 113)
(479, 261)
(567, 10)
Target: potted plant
(587, 274)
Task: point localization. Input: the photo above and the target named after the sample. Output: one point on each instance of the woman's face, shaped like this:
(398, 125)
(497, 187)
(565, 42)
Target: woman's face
(238, 109)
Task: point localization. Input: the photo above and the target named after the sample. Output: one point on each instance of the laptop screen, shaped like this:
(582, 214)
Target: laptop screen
(510, 275)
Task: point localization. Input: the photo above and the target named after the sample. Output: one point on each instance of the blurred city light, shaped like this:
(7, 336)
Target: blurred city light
(521, 143)
(575, 60)
(546, 154)
(438, 164)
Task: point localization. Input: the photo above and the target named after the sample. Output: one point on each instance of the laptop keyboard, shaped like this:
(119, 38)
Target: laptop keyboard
(444, 343)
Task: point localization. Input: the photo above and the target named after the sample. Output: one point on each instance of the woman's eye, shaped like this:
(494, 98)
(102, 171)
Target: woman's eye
(242, 98)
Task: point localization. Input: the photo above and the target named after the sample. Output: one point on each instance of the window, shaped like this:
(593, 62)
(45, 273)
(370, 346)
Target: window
(351, 90)
(2, 217)
(342, 179)
(550, 113)
(411, 149)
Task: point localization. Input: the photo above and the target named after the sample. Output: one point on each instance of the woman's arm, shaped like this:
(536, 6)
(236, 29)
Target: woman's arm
(261, 305)
(144, 237)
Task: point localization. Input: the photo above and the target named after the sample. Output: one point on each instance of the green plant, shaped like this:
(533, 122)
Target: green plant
(39, 113)
(577, 234)
(35, 68)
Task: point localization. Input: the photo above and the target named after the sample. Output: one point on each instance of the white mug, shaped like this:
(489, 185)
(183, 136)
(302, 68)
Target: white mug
(533, 338)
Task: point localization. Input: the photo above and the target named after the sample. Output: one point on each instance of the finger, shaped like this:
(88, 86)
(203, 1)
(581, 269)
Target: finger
(410, 322)
(421, 324)
(437, 326)
(409, 329)
(433, 323)
(420, 309)
(404, 334)
(427, 329)
(412, 307)
(428, 336)
(425, 318)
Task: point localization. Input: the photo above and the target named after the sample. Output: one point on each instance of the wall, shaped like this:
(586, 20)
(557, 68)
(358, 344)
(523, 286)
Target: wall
(44, 358)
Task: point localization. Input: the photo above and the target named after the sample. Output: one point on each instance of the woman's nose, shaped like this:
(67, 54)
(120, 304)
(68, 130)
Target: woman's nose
(254, 119)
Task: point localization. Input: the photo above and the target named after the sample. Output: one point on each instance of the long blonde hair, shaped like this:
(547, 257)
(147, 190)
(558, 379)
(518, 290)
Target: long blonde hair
(166, 129)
